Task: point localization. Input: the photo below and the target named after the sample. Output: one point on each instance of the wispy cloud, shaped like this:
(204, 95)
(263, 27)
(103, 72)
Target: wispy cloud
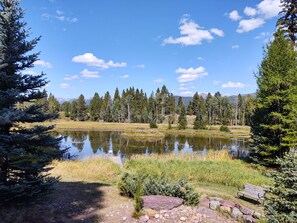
(190, 74)
(187, 93)
(217, 32)
(247, 25)
(230, 84)
(159, 80)
(139, 66)
(59, 15)
(124, 76)
(70, 77)
(234, 15)
(89, 74)
(64, 85)
(30, 72)
(192, 33)
(90, 60)
(235, 47)
(43, 64)
(200, 58)
(249, 11)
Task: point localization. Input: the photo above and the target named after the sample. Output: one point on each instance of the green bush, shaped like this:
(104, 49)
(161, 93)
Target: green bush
(158, 186)
(153, 124)
(224, 128)
(138, 201)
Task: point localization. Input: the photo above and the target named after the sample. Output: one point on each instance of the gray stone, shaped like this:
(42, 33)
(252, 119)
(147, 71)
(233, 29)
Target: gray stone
(215, 199)
(213, 204)
(157, 216)
(248, 219)
(149, 212)
(144, 218)
(257, 215)
(246, 211)
(183, 218)
(236, 213)
(159, 202)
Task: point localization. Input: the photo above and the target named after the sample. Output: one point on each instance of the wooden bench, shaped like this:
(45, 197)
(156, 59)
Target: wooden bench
(252, 192)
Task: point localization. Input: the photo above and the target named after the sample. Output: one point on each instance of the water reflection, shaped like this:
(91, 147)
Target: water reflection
(89, 143)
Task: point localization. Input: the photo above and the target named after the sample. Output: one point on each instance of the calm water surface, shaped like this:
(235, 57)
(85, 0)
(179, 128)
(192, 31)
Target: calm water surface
(90, 143)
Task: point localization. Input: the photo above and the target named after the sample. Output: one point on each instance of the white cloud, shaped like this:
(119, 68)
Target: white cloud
(59, 12)
(191, 34)
(72, 20)
(159, 80)
(234, 15)
(215, 82)
(43, 64)
(70, 77)
(249, 11)
(89, 74)
(230, 84)
(200, 58)
(263, 35)
(190, 74)
(92, 61)
(64, 85)
(235, 46)
(187, 93)
(59, 16)
(30, 72)
(247, 25)
(125, 76)
(139, 66)
(218, 32)
(269, 8)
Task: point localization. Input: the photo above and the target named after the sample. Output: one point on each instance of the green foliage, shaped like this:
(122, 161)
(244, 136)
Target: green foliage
(182, 119)
(224, 128)
(152, 185)
(274, 128)
(24, 152)
(199, 122)
(95, 107)
(281, 204)
(153, 124)
(138, 200)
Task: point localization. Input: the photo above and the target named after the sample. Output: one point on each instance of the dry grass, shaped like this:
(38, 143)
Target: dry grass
(87, 170)
(143, 128)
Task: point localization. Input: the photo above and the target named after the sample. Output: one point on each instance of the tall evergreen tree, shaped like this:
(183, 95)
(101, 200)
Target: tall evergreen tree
(281, 202)
(274, 128)
(288, 20)
(81, 109)
(24, 152)
(95, 107)
(182, 119)
(180, 104)
(53, 104)
(199, 122)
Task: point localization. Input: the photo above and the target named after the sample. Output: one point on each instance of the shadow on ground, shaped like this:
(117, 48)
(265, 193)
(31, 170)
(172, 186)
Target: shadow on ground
(70, 202)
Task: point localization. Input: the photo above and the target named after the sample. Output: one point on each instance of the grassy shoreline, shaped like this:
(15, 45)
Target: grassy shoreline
(143, 130)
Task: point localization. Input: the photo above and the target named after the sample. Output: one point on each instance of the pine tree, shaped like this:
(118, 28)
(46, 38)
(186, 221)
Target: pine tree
(53, 104)
(73, 110)
(199, 122)
(288, 20)
(281, 202)
(182, 119)
(274, 121)
(95, 107)
(81, 114)
(24, 152)
(180, 104)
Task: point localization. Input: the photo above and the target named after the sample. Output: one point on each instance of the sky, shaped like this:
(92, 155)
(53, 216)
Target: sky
(189, 45)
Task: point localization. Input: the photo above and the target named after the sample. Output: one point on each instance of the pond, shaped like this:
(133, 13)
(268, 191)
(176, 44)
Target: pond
(89, 143)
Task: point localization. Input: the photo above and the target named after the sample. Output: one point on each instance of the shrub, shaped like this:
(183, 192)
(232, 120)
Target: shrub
(153, 124)
(224, 128)
(138, 201)
(158, 186)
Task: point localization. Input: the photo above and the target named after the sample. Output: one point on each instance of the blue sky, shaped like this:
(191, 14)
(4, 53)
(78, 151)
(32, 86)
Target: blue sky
(189, 45)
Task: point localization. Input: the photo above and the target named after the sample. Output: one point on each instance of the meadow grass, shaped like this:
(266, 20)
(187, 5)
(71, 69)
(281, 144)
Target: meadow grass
(216, 168)
(94, 169)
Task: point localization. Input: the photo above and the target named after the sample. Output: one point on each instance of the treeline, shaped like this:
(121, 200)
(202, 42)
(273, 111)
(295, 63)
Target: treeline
(133, 105)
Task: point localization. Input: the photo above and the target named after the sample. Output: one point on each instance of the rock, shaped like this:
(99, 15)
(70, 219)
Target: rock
(257, 215)
(144, 218)
(157, 216)
(238, 206)
(246, 211)
(248, 219)
(225, 209)
(183, 218)
(204, 203)
(124, 218)
(213, 204)
(149, 212)
(159, 202)
(236, 213)
(229, 204)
